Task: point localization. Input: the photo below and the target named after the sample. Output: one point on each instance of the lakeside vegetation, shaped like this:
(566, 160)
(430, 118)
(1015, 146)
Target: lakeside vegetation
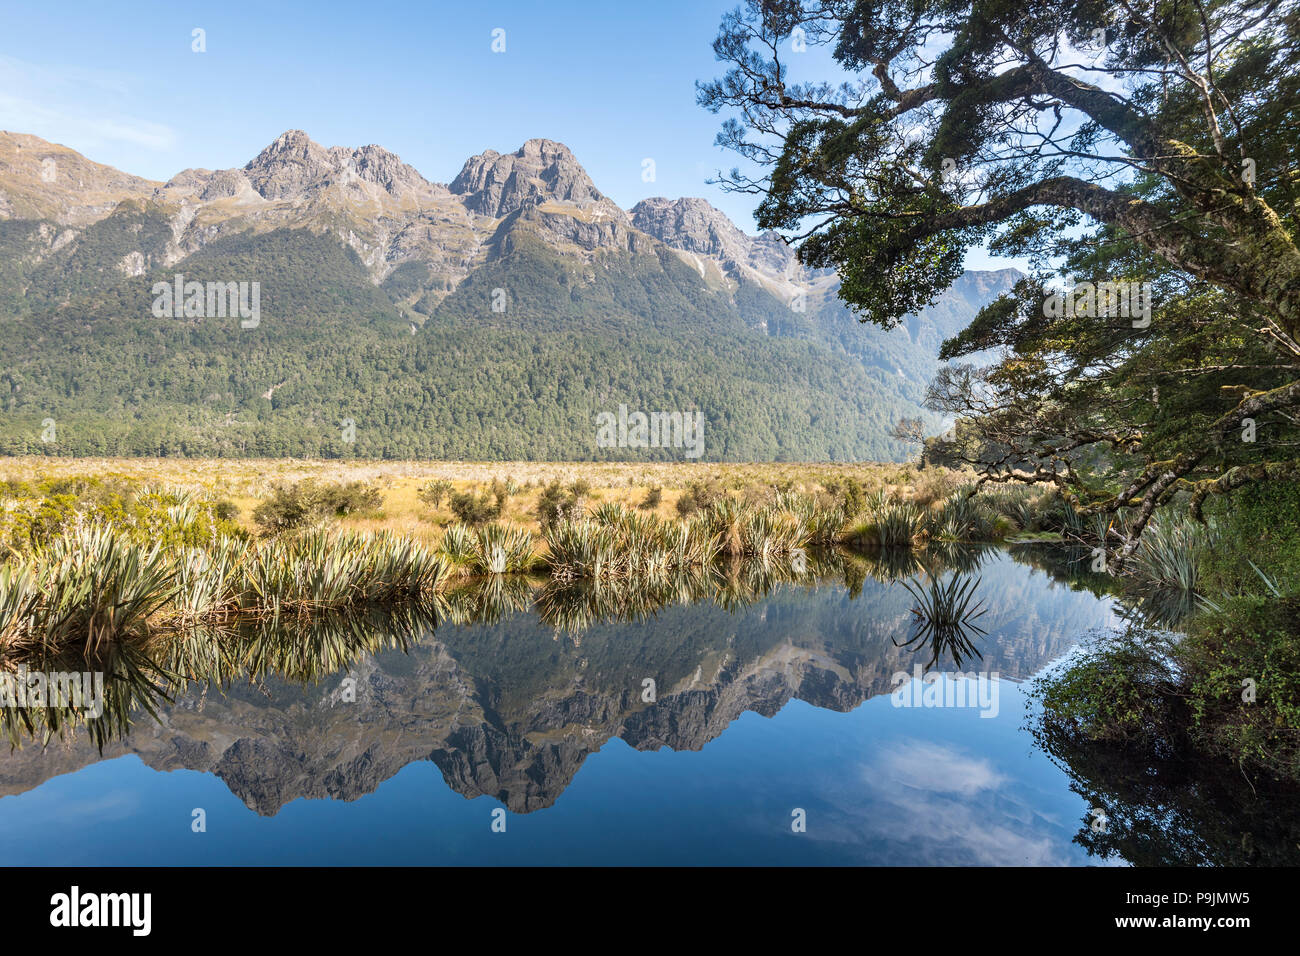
(123, 555)
(1226, 682)
(128, 550)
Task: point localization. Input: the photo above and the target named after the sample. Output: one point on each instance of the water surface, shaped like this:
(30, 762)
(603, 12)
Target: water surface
(765, 712)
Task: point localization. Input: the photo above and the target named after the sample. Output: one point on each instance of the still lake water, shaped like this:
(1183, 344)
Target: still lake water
(761, 709)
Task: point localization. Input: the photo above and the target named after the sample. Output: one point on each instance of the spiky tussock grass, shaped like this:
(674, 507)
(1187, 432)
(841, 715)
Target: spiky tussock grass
(502, 550)
(95, 585)
(1169, 553)
(206, 579)
(822, 523)
(944, 616)
(20, 598)
(615, 541)
(321, 571)
(489, 549)
(963, 517)
(458, 544)
(894, 525)
(790, 521)
(582, 548)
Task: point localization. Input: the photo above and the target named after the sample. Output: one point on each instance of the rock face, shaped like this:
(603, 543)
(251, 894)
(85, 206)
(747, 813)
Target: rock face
(691, 224)
(494, 185)
(390, 215)
(381, 207)
(290, 165)
(295, 167)
(694, 226)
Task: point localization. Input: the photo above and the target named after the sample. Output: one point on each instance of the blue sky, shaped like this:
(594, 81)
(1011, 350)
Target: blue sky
(615, 82)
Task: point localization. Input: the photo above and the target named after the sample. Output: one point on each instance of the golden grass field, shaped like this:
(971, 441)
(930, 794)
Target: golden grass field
(246, 482)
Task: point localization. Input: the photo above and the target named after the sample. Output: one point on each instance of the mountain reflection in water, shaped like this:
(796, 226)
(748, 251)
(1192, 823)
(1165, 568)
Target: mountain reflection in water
(508, 685)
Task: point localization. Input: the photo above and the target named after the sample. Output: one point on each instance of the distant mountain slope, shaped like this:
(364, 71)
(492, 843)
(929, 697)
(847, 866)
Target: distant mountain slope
(491, 318)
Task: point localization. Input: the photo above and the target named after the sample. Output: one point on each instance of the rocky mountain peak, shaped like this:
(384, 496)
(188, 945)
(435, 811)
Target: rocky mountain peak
(294, 165)
(495, 185)
(694, 225)
(691, 224)
(288, 165)
(44, 180)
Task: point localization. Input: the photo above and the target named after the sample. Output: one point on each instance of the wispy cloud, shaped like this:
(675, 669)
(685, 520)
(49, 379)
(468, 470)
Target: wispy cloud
(938, 769)
(74, 105)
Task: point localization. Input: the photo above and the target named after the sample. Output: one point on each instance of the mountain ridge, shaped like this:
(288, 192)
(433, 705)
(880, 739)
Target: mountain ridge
(353, 249)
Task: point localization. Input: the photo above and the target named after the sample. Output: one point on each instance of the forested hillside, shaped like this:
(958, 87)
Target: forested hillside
(501, 337)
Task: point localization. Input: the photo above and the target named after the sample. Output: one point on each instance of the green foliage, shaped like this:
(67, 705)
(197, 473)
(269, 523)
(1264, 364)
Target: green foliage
(307, 502)
(458, 543)
(1229, 689)
(1258, 523)
(699, 494)
(1121, 690)
(552, 504)
(1243, 675)
(557, 502)
(35, 513)
(851, 494)
(475, 509)
(433, 493)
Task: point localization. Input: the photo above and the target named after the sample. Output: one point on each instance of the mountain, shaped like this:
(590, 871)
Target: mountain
(490, 318)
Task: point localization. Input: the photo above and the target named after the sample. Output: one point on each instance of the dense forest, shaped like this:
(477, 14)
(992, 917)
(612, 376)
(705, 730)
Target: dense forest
(80, 345)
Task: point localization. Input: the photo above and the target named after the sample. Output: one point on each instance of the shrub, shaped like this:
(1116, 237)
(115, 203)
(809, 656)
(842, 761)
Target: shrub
(934, 485)
(1259, 522)
(699, 494)
(653, 497)
(434, 493)
(34, 513)
(475, 509)
(308, 501)
(555, 504)
(1247, 638)
(1124, 689)
(501, 491)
